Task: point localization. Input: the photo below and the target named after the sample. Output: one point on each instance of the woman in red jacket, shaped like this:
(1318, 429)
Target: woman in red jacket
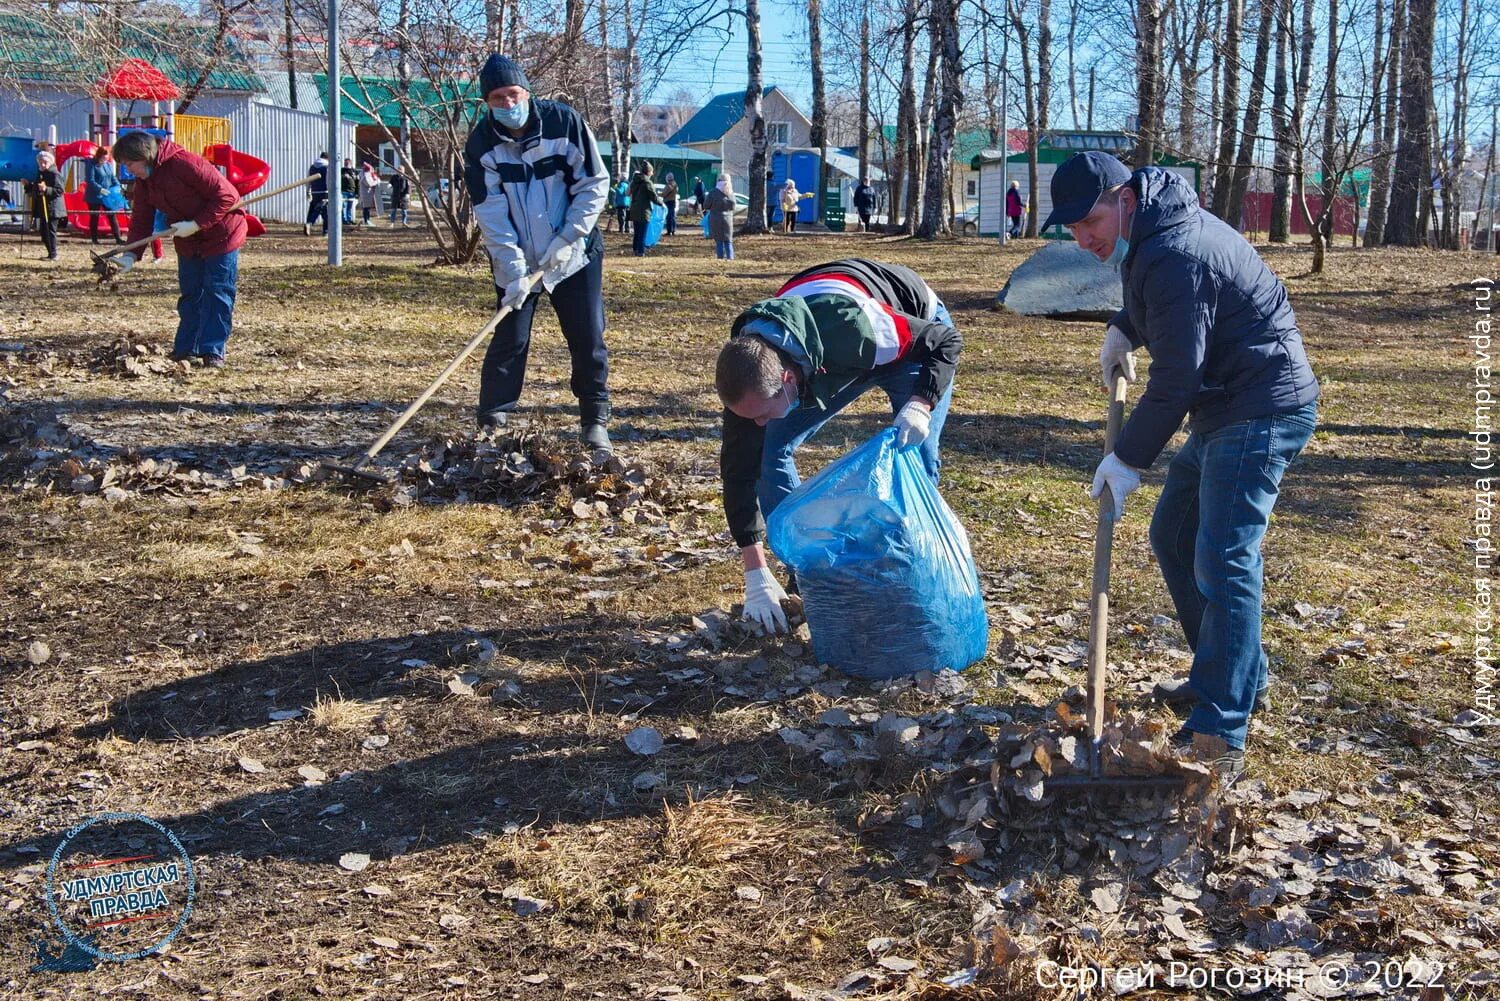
(208, 230)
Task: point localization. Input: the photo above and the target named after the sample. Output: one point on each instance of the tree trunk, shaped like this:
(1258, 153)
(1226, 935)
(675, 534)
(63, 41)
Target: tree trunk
(1414, 150)
(1044, 64)
(1073, 16)
(1023, 42)
(1322, 230)
(756, 223)
(1251, 130)
(864, 94)
(949, 100)
(906, 120)
(619, 152)
(1459, 133)
(1380, 171)
(922, 134)
(494, 23)
(1148, 51)
(291, 60)
(1187, 50)
(819, 132)
(626, 113)
(991, 90)
(1214, 99)
(1229, 108)
(1279, 230)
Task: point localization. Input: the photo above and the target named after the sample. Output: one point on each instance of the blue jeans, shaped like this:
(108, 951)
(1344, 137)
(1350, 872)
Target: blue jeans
(398, 211)
(778, 466)
(724, 249)
(205, 307)
(349, 208)
(1206, 533)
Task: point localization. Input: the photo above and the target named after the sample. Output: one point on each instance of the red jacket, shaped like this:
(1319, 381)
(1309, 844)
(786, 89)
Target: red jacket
(183, 185)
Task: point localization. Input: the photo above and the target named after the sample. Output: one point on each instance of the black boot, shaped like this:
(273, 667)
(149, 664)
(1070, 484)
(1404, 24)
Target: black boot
(593, 416)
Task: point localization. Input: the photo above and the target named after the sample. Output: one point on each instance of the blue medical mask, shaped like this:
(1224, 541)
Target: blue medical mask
(1122, 245)
(795, 402)
(512, 118)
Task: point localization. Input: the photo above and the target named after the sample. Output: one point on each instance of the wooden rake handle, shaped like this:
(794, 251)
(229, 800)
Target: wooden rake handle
(437, 383)
(1104, 537)
(126, 248)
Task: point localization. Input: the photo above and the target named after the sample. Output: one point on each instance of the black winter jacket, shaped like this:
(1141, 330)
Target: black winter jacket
(1223, 341)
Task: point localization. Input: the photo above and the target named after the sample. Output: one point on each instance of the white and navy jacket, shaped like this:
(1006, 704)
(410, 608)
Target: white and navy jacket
(550, 182)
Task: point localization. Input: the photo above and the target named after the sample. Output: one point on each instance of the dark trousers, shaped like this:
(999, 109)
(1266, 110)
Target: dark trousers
(622, 217)
(578, 302)
(114, 225)
(671, 218)
(47, 227)
(316, 209)
(638, 239)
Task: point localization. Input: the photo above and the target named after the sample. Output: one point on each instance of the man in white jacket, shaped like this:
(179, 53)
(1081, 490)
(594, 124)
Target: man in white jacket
(538, 185)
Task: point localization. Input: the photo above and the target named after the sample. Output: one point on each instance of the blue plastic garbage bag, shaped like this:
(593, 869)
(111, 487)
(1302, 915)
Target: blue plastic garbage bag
(655, 223)
(888, 583)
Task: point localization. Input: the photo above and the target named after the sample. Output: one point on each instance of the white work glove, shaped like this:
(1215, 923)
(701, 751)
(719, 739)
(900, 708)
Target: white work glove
(125, 262)
(183, 230)
(558, 254)
(1122, 480)
(763, 597)
(912, 423)
(1116, 353)
(516, 293)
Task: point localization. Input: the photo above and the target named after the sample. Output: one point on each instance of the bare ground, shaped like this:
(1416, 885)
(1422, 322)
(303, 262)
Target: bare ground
(188, 577)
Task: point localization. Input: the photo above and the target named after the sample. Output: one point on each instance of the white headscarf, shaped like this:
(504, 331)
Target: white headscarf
(725, 184)
(45, 159)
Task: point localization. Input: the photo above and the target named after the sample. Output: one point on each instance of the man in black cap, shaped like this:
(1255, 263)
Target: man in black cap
(1227, 355)
(538, 185)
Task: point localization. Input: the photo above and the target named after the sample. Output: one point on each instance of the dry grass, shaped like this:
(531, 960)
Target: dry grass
(168, 635)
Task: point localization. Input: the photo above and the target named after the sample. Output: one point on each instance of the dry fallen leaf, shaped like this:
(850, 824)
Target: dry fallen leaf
(354, 861)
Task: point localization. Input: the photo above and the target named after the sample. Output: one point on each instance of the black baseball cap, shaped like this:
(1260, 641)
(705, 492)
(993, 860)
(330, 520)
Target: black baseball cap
(1078, 183)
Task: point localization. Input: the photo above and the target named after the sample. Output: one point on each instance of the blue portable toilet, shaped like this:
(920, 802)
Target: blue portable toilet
(17, 158)
(805, 166)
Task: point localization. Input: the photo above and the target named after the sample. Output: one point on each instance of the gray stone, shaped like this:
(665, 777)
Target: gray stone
(1063, 279)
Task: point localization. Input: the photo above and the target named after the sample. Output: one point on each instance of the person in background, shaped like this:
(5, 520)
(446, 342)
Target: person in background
(719, 206)
(621, 197)
(101, 185)
(538, 184)
(369, 193)
(864, 203)
(700, 196)
(317, 206)
(349, 189)
(669, 199)
(642, 196)
(208, 229)
(46, 200)
(1015, 208)
(400, 195)
(790, 197)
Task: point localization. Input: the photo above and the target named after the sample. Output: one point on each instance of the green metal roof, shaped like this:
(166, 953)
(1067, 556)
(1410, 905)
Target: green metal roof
(382, 96)
(34, 51)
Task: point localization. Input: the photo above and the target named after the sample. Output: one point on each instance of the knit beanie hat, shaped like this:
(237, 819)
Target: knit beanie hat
(501, 71)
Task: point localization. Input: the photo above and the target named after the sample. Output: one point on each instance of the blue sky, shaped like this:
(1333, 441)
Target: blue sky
(713, 70)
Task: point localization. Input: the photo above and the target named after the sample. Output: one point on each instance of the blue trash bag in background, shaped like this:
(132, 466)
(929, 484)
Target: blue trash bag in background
(655, 223)
(888, 583)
